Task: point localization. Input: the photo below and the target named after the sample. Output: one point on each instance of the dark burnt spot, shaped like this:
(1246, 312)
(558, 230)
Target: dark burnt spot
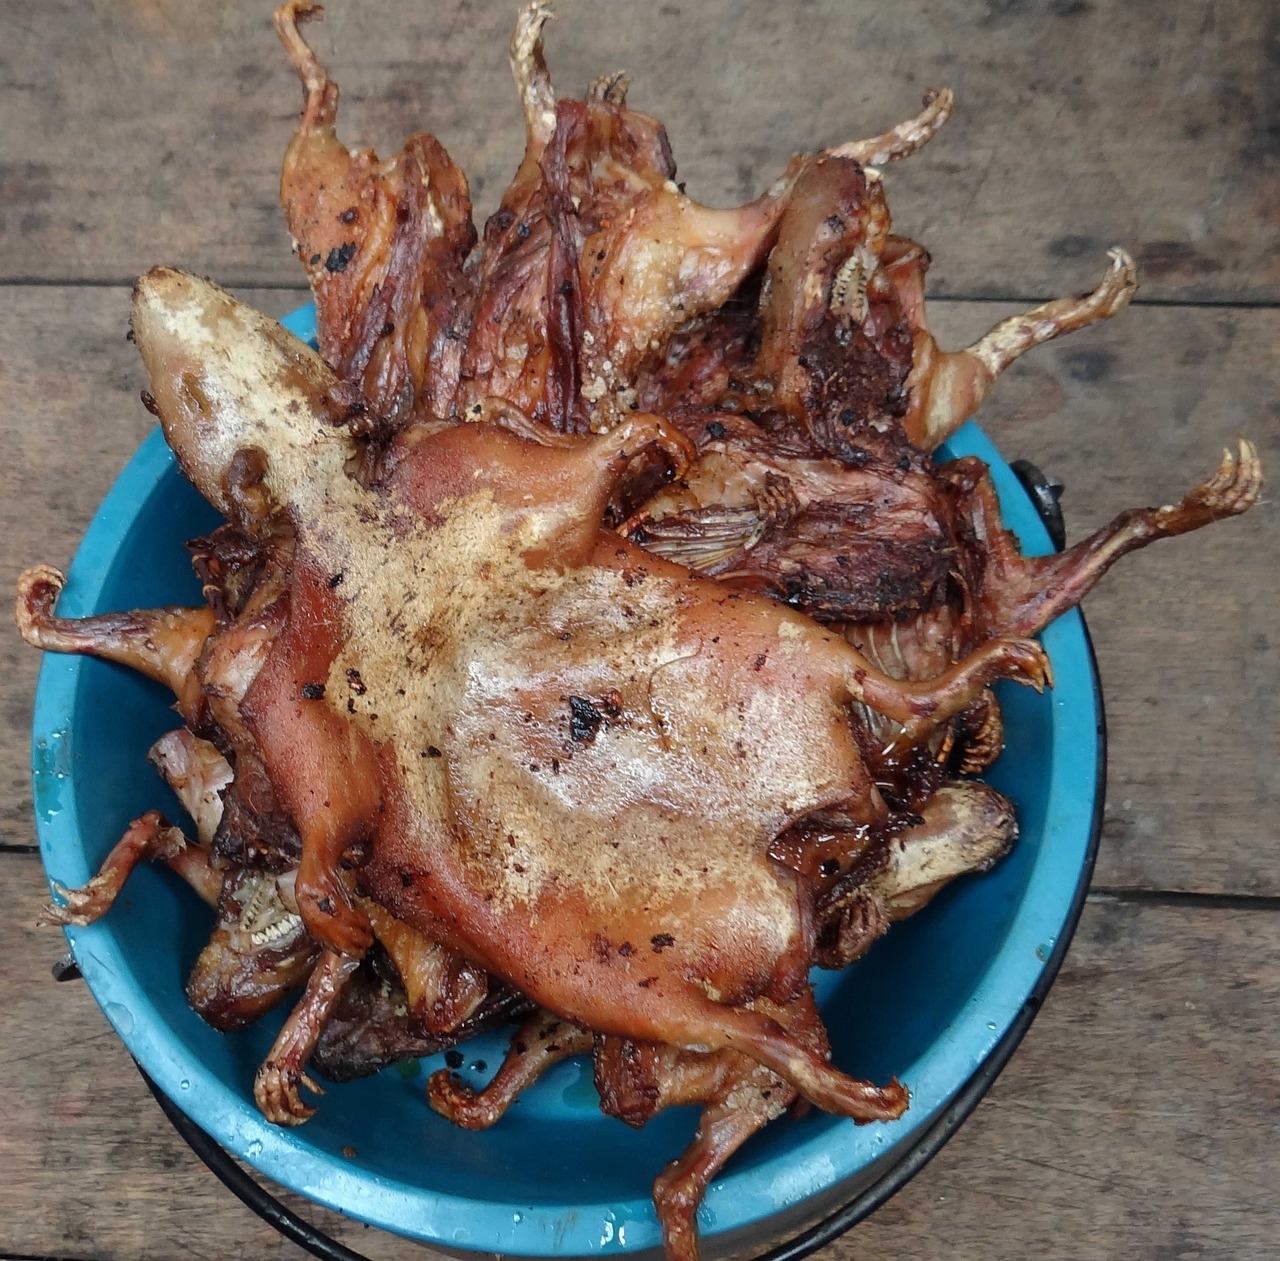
(312, 691)
(584, 719)
(904, 463)
(432, 751)
(355, 682)
(522, 231)
(626, 950)
(405, 880)
(340, 256)
(829, 866)
(648, 981)
(348, 215)
(388, 328)
(660, 941)
(760, 661)
(716, 429)
(335, 582)
(313, 260)
(566, 288)
(1087, 363)
(149, 402)
(600, 948)
(555, 766)
(453, 1058)
(520, 1047)
(326, 905)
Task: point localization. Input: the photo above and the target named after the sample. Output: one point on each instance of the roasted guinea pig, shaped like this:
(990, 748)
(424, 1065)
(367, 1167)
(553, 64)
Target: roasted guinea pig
(594, 636)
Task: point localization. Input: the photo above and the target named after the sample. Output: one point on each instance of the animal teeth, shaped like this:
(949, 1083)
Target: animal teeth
(286, 926)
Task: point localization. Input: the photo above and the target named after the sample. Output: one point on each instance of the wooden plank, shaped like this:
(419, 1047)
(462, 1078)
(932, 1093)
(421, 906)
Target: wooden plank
(1128, 414)
(1139, 1118)
(143, 132)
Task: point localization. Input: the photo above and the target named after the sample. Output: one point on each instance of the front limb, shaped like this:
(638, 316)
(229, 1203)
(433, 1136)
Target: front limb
(1020, 595)
(162, 644)
(147, 839)
(945, 388)
(275, 1089)
(919, 707)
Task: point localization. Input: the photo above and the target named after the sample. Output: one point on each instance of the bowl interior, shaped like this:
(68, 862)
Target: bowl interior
(927, 1004)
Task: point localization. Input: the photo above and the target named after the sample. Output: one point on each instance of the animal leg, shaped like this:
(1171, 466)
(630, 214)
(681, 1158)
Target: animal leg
(906, 138)
(320, 108)
(275, 1089)
(945, 388)
(529, 67)
(543, 1040)
(162, 644)
(147, 839)
(1021, 595)
(921, 706)
(678, 1191)
(764, 1040)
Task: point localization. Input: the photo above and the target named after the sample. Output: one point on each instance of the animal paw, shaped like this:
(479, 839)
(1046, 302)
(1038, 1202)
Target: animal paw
(81, 906)
(1025, 661)
(1233, 489)
(275, 1091)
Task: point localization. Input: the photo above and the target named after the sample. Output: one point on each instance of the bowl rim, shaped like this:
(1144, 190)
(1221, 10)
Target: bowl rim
(1011, 986)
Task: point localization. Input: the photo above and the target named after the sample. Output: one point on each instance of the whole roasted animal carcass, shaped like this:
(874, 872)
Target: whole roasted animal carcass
(593, 634)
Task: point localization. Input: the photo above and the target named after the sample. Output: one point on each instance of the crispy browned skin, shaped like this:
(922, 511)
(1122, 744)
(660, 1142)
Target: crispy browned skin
(382, 244)
(670, 672)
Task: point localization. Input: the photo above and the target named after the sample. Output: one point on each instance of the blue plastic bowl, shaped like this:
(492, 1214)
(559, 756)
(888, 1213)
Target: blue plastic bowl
(940, 1002)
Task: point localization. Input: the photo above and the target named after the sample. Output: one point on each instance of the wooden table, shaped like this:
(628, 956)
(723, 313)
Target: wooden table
(1141, 1117)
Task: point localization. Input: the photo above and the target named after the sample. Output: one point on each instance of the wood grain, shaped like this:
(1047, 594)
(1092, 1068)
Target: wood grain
(1126, 414)
(144, 131)
(1140, 1118)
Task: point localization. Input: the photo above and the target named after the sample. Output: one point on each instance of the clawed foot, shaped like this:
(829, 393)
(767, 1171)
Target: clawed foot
(1233, 489)
(78, 907)
(275, 1091)
(38, 591)
(1024, 661)
(1114, 291)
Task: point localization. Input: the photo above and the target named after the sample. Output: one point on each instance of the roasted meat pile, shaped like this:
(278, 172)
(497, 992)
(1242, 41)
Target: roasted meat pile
(594, 637)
